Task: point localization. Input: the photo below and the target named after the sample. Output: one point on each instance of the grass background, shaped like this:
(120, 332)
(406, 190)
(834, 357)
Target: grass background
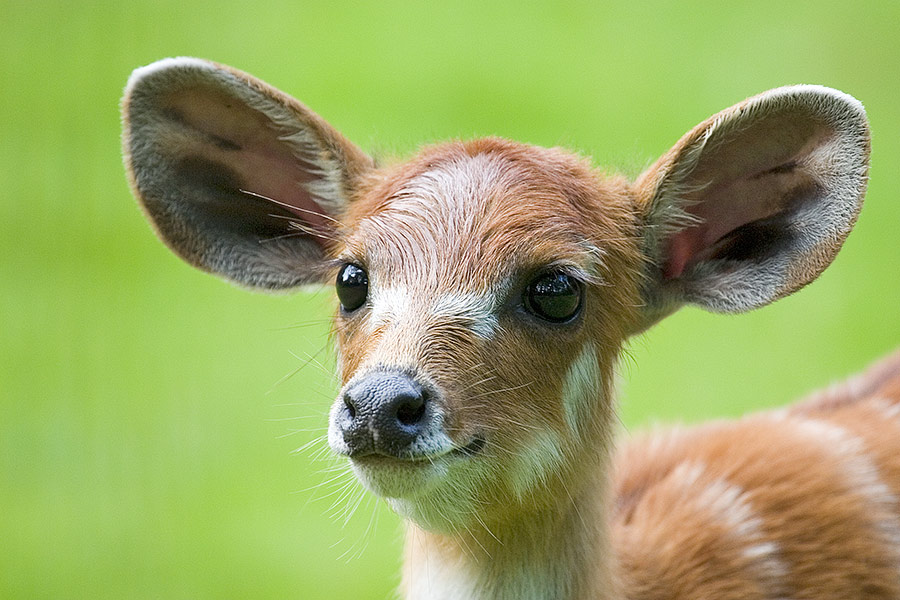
(145, 442)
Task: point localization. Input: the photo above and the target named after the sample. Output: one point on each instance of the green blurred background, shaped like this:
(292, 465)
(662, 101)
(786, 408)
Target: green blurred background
(146, 428)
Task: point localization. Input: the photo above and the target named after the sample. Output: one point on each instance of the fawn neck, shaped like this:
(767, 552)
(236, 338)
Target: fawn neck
(561, 552)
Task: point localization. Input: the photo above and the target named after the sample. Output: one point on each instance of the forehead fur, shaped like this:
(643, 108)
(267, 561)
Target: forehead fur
(474, 205)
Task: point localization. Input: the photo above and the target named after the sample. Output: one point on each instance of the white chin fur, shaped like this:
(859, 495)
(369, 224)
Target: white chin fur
(402, 480)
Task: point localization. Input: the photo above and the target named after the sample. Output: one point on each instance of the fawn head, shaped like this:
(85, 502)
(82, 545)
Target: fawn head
(486, 288)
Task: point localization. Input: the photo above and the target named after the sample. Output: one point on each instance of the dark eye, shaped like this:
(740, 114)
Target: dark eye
(554, 297)
(352, 286)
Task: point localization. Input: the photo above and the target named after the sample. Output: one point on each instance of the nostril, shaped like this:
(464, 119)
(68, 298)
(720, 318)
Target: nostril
(348, 403)
(385, 412)
(411, 409)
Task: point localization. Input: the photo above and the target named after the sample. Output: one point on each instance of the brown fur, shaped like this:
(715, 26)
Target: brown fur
(828, 535)
(750, 205)
(527, 223)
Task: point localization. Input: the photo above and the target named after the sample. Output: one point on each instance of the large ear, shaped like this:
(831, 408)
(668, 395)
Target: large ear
(238, 178)
(753, 203)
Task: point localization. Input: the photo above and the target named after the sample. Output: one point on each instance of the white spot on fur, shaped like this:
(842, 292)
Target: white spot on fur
(165, 64)
(472, 575)
(456, 186)
(436, 213)
(729, 505)
(861, 476)
(581, 388)
(399, 482)
(476, 309)
(440, 579)
(536, 459)
(389, 304)
(890, 410)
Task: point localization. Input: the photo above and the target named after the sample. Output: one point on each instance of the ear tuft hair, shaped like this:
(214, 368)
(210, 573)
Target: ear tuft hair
(238, 178)
(753, 203)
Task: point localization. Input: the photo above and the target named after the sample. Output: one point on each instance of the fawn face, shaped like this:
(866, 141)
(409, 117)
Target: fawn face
(484, 290)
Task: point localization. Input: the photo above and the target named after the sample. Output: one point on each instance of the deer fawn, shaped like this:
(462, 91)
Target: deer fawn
(486, 291)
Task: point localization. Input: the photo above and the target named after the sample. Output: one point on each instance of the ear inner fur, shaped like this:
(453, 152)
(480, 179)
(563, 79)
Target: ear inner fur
(753, 203)
(238, 178)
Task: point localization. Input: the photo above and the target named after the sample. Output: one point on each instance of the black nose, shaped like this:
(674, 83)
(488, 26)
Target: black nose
(384, 412)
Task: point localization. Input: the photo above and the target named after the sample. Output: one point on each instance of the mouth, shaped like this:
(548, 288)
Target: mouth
(473, 448)
(413, 475)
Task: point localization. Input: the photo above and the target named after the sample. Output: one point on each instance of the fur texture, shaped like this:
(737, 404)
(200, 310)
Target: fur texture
(512, 486)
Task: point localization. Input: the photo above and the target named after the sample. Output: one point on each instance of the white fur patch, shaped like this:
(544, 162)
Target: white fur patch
(581, 388)
(396, 303)
(471, 575)
(457, 188)
(861, 475)
(728, 504)
(438, 212)
(440, 579)
(165, 64)
(535, 460)
(389, 304)
(400, 482)
(890, 410)
(476, 309)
